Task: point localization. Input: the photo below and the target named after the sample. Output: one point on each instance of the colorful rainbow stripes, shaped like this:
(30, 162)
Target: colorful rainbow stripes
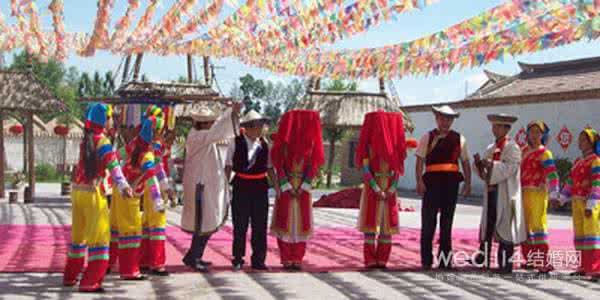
(595, 192)
(157, 234)
(114, 236)
(587, 243)
(537, 238)
(128, 242)
(77, 251)
(98, 253)
(368, 176)
(108, 157)
(551, 174)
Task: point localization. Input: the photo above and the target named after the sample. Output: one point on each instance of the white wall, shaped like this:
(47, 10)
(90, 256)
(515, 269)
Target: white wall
(474, 126)
(47, 149)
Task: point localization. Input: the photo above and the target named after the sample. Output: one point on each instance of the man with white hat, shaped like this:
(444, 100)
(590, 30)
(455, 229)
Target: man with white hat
(206, 194)
(248, 156)
(502, 218)
(439, 153)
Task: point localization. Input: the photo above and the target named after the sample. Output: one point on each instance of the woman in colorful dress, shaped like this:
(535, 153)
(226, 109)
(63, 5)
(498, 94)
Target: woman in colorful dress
(297, 155)
(582, 189)
(539, 183)
(90, 219)
(381, 153)
(140, 169)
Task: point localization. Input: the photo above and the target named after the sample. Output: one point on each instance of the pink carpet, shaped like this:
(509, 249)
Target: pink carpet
(42, 248)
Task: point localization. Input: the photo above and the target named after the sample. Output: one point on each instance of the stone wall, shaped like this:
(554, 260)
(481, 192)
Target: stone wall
(47, 150)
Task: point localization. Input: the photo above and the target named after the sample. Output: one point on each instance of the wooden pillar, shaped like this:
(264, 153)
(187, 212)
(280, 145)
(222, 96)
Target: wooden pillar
(126, 69)
(137, 66)
(190, 71)
(25, 167)
(31, 156)
(206, 61)
(2, 160)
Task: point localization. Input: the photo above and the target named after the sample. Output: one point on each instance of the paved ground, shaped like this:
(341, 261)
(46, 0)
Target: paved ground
(328, 285)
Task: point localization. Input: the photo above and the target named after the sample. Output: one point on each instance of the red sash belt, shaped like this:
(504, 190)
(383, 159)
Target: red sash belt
(252, 176)
(442, 168)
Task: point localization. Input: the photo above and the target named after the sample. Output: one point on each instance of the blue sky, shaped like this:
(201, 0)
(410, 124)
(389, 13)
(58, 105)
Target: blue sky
(80, 16)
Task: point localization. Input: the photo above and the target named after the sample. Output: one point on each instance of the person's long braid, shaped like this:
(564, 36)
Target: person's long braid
(89, 154)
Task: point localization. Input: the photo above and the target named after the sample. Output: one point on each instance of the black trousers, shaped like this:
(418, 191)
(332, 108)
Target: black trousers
(505, 250)
(197, 248)
(440, 196)
(250, 206)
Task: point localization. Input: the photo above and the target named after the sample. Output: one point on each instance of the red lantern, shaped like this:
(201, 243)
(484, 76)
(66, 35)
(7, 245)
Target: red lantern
(61, 130)
(16, 129)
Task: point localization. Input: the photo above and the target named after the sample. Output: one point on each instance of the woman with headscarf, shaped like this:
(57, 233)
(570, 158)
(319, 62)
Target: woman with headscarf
(381, 153)
(90, 220)
(297, 155)
(539, 183)
(140, 169)
(582, 189)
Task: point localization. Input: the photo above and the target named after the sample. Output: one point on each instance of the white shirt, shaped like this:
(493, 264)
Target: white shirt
(424, 142)
(253, 147)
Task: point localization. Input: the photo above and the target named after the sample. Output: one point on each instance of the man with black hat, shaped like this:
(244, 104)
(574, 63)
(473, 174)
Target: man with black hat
(248, 156)
(502, 217)
(439, 153)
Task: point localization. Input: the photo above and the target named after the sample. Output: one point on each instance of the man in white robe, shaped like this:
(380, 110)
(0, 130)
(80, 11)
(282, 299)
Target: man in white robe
(204, 171)
(502, 218)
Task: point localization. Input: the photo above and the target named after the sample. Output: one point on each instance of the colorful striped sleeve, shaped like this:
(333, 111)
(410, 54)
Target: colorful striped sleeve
(368, 176)
(395, 183)
(161, 175)
(566, 193)
(105, 152)
(551, 174)
(148, 168)
(307, 179)
(594, 198)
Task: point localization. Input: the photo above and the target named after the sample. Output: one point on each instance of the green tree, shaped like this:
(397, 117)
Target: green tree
(335, 134)
(252, 91)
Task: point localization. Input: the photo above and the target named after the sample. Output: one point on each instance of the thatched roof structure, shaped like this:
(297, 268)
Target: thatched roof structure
(185, 96)
(160, 90)
(348, 109)
(22, 91)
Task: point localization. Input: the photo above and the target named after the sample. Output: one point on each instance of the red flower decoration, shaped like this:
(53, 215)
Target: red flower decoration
(16, 129)
(61, 130)
(412, 143)
(564, 138)
(521, 137)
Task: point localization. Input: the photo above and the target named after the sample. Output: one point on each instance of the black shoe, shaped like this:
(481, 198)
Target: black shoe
(426, 267)
(238, 266)
(98, 291)
(289, 267)
(136, 278)
(203, 263)
(503, 271)
(261, 267)
(297, 267)
(163, 273)
(577, 273)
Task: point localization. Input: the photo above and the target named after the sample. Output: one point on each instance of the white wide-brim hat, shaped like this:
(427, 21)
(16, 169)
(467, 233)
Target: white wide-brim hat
(251, 117)
(204, 114)
(446, 111)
